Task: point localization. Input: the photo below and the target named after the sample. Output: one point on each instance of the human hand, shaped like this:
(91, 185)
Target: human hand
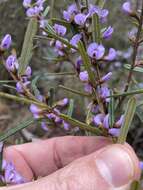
(77, 163)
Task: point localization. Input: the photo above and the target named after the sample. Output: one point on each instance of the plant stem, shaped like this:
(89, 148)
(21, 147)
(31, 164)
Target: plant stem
(135, 51)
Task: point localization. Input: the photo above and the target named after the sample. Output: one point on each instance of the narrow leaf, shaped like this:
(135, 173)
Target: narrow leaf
(96, 35)
(87, 63)
(100, 3)
(12, 131)
(71, 108)
(111, 110)
(137, 69)
(129, 114)
(135, 92)
(26, 53)
(74, 91)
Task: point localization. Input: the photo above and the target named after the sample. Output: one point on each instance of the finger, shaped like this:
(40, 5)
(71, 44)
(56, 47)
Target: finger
(111, 168)
(44, 157)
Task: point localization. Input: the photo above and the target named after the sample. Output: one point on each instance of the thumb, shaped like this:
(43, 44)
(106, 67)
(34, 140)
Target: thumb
(111, 168)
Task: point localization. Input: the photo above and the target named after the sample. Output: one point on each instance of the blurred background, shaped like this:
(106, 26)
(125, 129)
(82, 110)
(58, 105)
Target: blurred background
(13, 21)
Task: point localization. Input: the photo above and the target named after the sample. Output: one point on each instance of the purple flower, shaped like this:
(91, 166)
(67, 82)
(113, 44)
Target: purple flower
(63, 102)
(66, 125)
(33, 11)
(104, 92)
(127, 8)
(60, 30)
(93, 9)
(44, 126)
(107, 34)
(96, 51)
(120, 121)
(6, 42)
(111, 55)
(88, 88)
(43, 23)
(75, 39)
(35, 109)
(98, 119)
(84, 76)
(102, 13)
(28, 72)
(11, 176)
(11, 63)
(141, 165)
(80, 19)
(40, 2)
(106, 122)
(20, 86)
(78, 64)
(70, 13)
(114, 132)
(27, 3)
(106, 77)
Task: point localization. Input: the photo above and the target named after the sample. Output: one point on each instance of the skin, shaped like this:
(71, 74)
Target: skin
(74, 163)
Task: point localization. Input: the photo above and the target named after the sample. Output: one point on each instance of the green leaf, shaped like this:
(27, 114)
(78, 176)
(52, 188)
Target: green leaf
(137, 69)
(71, 108)
(13, 131)
(81, 125)
(87, 63)
(26, 53)
(96, 35)
(1, 155)
(140, 91)
(111, 110)
(129, 114)
(46, 11)
(34, 86)
(74, 91)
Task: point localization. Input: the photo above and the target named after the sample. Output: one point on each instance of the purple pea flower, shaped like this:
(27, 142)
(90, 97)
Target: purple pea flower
(35, 110)
(120, 121)
(27, 3)
(80, 19)
(114, 132)
(11, 63)
(107, 34)
(75, 39)
(96, 51)
(106, 77)
(63, 102)
(44, 126)
(84, 76)
(66, 126)
(60, 30)
(78, 64)
(88, 88)
(6, 42)
(28, 72)
(106, 122)
(111, 55)
(141, 165)
(20, 86)
(11, 176)
(103, 15)
(127, 8)
(33, 11)
(70, 13)
(98, 119)
(104, 93)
